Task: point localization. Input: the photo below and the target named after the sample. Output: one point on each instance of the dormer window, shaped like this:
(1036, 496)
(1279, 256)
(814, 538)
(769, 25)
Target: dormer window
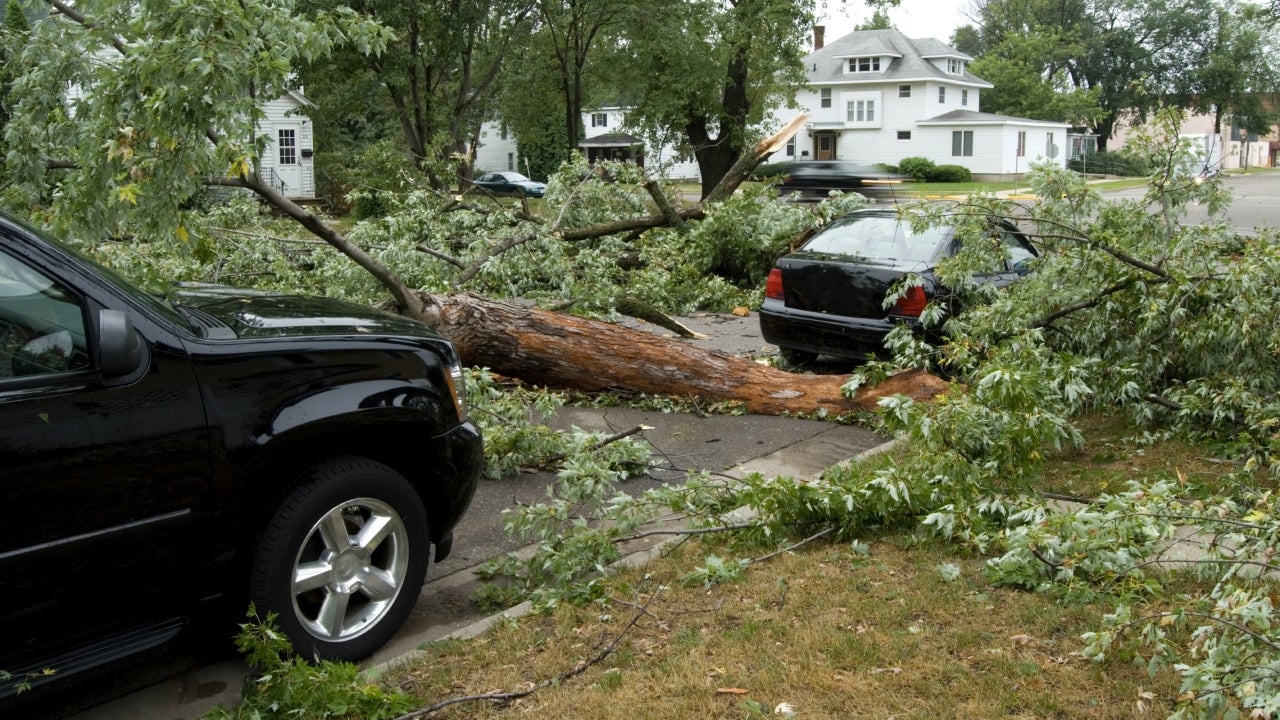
(864, 64)
(955, 66)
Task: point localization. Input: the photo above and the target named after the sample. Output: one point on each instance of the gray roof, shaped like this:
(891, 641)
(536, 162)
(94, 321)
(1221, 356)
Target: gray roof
(611, 140)
(958, 117)
(909, 59)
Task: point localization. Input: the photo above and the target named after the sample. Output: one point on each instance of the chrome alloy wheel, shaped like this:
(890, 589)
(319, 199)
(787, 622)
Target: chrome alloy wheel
(350, 569)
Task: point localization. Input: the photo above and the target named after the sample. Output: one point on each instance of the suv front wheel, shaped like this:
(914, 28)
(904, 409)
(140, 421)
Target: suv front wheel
(343, 559)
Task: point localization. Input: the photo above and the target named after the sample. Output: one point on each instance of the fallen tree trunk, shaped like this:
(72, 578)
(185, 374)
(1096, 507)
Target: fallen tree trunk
(553, 349)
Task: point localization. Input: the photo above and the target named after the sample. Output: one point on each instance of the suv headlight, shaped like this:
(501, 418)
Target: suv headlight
(458, 389)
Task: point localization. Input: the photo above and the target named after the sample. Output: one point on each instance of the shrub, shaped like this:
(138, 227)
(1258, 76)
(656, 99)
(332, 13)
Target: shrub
(769, 171)
(948, 174)
(917, 167)
(1109, 163)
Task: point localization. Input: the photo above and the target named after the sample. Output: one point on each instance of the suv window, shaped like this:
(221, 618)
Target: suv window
(42, 328)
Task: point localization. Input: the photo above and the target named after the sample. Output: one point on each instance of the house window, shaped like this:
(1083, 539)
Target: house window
(955, 66)
(791, 147)
(942, 94)
(502, 131)
(826, 97)
(1048, 145)
(904, 134)
(864, 64)
(904, 91)
(1022, 143)
(964, 97)
(288, 145)
(599, 120)
(862, 111)
(511, 161)
(962, 143)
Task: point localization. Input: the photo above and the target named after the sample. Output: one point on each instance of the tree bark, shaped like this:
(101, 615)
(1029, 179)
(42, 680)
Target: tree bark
(557, 350)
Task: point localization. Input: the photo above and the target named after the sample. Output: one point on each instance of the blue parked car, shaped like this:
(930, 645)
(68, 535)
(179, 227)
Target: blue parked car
(510, 183)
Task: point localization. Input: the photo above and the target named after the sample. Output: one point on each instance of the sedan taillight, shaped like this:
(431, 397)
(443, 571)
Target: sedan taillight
(773, 286)
(911, 304)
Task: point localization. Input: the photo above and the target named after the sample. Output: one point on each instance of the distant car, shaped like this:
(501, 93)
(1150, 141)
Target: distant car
(817, 178)
(510, 183)
(172, 455)
(826, 298)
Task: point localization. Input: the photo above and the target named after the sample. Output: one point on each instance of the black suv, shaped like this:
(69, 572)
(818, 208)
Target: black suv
(161, 454)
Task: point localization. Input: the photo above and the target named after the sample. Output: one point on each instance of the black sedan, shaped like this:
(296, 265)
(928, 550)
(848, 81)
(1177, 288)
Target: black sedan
(510, 183)
(827, 297)
(817, 178)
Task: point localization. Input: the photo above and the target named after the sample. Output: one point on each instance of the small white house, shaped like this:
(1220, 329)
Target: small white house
(607, 137)
(288, 163)
(877, 96)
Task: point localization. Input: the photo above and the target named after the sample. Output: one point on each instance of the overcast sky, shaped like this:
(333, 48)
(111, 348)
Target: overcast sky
(915, 18)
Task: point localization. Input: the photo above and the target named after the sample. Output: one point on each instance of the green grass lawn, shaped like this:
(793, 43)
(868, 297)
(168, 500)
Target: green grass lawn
(910, 629)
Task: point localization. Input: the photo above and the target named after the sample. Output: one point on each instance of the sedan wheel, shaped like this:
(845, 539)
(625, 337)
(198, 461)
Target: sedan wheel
(343, 560)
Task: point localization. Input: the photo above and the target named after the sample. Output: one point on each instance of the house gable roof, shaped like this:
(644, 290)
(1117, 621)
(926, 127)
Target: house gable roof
(909, 60)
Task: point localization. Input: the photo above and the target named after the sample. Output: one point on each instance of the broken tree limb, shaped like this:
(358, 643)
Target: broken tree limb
(556, 350)
(641, 310)
(747, 163)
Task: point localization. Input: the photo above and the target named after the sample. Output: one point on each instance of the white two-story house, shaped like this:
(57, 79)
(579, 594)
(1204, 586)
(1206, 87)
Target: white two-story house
(877, 96)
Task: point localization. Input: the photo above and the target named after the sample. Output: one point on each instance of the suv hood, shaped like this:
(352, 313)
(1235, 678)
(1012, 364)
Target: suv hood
(261, 313)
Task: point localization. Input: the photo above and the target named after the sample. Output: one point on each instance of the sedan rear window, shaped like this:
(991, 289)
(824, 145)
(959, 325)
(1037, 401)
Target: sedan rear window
(877, 238)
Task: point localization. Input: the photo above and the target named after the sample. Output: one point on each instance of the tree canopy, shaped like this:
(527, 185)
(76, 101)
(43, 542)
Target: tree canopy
(1099, 61)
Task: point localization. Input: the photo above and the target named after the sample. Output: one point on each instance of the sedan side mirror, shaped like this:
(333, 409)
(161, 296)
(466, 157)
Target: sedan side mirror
(120, 347)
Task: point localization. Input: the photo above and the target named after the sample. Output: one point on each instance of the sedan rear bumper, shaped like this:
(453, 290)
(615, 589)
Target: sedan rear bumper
(836, 335)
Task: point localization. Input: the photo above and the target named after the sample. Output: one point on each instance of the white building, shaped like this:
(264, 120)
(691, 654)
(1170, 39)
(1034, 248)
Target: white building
(1234, 148)
(607, 137)
(877, 96)
(288, 163)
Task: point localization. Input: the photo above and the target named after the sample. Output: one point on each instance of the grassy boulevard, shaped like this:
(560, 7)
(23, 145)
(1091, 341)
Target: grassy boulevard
(891, 626)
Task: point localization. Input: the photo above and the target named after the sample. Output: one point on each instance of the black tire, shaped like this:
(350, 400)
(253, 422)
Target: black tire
(338, 597)
(796, 358)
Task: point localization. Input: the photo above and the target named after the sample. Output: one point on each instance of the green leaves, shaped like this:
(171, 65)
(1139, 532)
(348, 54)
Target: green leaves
(287, 684)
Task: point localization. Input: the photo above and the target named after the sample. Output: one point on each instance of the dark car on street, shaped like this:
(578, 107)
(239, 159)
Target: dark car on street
(815, 179)
(510, 183)
(175, 454)
(827, 297)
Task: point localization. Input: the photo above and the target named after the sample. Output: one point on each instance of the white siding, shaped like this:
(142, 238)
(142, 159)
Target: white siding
(494, 151)
(660, 158)
(285, 112)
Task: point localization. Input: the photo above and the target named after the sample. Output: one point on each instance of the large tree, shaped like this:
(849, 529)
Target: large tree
(436, 80)
(574, 31)
(1121, 54)
(1236, 73)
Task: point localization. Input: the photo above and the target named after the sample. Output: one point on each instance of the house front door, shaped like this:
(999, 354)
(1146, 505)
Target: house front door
(288, 178)
(826, 146)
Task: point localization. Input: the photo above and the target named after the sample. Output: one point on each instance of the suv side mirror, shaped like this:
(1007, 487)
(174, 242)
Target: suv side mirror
(120, 347)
